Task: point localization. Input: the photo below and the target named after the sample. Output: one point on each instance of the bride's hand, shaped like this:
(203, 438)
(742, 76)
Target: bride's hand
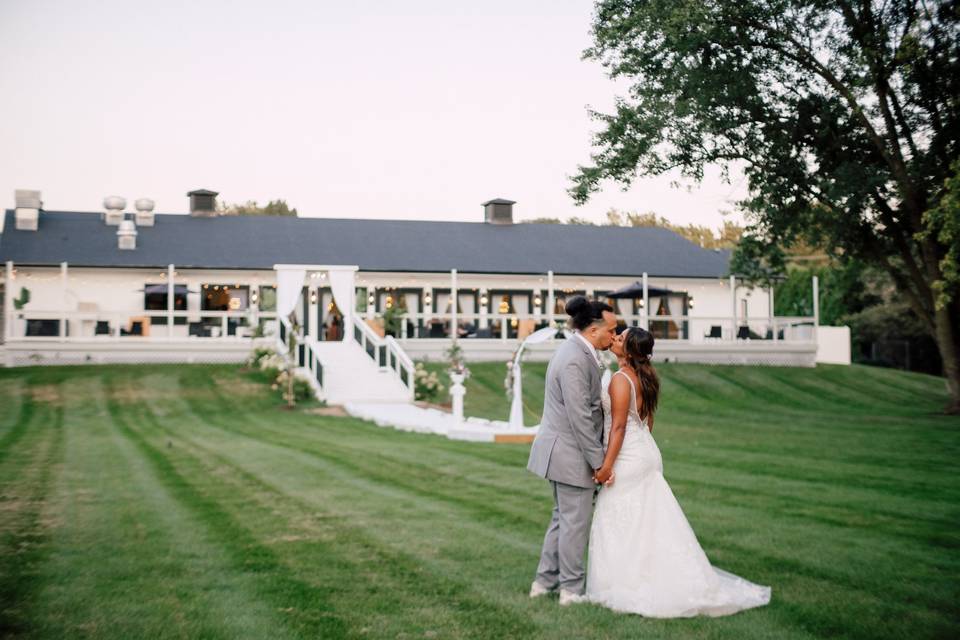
(609, 482)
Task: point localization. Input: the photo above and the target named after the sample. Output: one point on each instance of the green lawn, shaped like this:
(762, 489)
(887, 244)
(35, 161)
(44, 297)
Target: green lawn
(181, 502)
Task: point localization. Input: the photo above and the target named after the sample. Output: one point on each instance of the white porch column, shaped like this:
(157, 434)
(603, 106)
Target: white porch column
(311, 324)
(645, 312)
(484, 320)
(816, 306)
(772, 315)
(733, 307)
(170, 290)
(8, 303)
(551, 303)
(454, 326)
(63, 301)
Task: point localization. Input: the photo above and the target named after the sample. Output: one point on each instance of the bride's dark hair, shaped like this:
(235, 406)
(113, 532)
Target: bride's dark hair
(637, 349)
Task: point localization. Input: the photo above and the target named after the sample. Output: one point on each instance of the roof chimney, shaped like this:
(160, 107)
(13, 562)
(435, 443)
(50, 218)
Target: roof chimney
(203, 203)
(498, 211)
(114, 206)
(127, 235)
(27, 215)
(144, 215)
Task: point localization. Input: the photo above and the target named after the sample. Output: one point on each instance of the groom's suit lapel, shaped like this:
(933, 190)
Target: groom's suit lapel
(586, 350)
(593, 362)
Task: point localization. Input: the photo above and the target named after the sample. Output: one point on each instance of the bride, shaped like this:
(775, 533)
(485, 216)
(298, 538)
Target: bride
(644, 557)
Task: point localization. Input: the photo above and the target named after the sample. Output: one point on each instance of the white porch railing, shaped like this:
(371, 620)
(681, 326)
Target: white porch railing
(386, 352)
(72, 326)
(681, 328)
(305, 354)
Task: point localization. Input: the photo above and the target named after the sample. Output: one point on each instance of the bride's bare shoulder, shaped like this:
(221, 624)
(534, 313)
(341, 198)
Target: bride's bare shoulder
(619, 385)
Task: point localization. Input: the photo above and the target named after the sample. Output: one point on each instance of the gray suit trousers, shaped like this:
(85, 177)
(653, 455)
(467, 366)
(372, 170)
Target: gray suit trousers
(564, 545)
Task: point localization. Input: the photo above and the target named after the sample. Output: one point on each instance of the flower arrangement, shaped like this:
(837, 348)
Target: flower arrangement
(258, 354)
(273, 361)
(458, 363)
(300, 387)
(426, 383)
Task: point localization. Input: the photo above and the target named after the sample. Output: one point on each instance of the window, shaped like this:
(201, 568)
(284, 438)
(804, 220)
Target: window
(223, 297)
(155, 299)
(268, 298)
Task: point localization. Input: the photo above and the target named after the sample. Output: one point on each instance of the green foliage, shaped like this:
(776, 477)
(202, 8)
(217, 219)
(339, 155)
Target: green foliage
(257, 356)
(23, 299)
(844, 291)
(393, 320)
(724, 238)
(544, 221)
(842, 117)
(251, 208)
(293, 388)
(943, 223)
(896, 334)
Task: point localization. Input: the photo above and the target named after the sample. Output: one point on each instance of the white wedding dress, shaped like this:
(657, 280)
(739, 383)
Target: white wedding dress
(644, 557)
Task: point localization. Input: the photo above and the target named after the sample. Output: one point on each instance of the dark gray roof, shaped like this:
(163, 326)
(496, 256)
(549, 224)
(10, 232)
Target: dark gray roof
(259, 242)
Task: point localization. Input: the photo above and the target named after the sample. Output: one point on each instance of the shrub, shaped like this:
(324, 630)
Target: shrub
(301, 387)
(426, 384)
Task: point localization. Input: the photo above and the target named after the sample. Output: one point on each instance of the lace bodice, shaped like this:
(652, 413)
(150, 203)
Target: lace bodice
(634, 423)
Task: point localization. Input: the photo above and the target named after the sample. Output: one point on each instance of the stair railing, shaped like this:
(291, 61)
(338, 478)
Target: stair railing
(386, 353)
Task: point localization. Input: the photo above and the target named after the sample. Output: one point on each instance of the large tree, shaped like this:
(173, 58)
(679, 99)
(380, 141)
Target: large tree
(844, 117)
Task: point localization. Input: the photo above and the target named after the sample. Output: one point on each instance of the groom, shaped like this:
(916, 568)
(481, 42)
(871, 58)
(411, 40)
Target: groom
(568, 449)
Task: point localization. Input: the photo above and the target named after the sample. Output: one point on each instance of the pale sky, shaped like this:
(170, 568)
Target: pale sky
(365, 109)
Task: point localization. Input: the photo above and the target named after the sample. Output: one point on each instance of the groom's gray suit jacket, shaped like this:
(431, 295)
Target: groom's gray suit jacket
(569, 444)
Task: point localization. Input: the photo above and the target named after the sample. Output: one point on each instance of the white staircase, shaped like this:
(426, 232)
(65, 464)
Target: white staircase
(350, 375)
(363, 367)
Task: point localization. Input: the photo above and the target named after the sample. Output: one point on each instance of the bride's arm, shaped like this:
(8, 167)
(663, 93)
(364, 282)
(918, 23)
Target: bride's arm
(619, 390)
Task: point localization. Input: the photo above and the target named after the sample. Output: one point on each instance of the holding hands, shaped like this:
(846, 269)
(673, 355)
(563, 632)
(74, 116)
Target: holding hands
(604, 475)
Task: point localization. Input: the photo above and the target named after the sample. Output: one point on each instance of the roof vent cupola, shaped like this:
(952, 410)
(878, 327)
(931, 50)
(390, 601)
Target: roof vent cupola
(114, 206)
(203, 203)
(144, 215)
(27, 214)
(498, 211)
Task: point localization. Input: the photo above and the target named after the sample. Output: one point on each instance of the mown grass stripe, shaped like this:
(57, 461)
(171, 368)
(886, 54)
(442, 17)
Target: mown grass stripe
(348, 543)
(315, 616)
(26, 480)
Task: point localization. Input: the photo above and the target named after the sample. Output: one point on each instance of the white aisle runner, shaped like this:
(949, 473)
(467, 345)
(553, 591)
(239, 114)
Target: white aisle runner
(409, 417)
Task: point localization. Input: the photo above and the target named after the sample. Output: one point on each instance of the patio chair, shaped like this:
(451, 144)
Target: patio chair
(102, 328)
(743, 333)
(716, 332)
(197, 329)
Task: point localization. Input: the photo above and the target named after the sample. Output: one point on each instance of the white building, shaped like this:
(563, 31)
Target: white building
(116, 286)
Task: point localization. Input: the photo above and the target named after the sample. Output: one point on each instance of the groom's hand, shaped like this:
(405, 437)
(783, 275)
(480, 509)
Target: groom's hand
(602, 474)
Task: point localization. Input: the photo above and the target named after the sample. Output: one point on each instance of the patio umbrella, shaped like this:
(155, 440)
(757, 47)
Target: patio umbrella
(162, 288)
(635, 290)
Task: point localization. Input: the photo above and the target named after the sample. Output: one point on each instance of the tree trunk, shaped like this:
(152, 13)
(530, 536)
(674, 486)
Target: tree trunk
(948, 342)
